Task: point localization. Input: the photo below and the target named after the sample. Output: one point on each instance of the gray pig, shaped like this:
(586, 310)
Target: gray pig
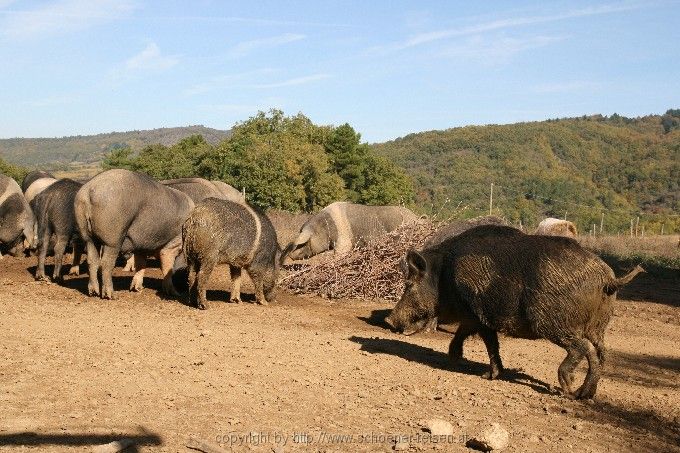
(32, 177)
(497, 279)
(53, 208)
(125, 211)
(224, 232)
(16, 218)
(341, 226)
(198, 189)
(35, 182)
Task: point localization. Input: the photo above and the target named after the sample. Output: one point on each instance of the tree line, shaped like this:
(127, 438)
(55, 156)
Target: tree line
(282, 162)
(579, 168)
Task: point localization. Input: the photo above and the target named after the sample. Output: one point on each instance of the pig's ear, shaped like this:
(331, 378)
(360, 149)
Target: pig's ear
(417, 266)
(303, 237)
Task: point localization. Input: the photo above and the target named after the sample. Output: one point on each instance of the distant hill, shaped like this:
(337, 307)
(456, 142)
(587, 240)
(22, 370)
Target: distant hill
(85, 150)
(582, 167)
(595, 170)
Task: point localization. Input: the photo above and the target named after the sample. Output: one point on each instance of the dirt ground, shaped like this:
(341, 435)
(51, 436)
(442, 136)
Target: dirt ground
(307, 374)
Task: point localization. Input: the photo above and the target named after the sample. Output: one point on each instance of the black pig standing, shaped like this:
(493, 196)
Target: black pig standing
(53, 208)
(497, 279)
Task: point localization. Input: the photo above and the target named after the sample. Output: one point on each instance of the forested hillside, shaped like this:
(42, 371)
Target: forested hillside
(596, 170)
(582, 167)
(90, 149)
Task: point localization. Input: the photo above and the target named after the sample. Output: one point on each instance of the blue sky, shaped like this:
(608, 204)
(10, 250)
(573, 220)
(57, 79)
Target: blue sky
(388, 68)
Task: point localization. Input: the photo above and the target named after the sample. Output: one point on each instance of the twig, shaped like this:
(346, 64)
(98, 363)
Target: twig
(205, 447)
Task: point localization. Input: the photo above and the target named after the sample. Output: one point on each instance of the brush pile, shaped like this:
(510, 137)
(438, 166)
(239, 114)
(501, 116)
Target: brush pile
(373, 271)
(369, 272)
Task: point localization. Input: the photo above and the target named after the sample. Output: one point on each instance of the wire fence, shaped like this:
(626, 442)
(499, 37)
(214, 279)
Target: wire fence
(602, 220)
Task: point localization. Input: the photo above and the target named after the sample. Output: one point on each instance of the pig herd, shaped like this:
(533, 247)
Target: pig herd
(487, 277)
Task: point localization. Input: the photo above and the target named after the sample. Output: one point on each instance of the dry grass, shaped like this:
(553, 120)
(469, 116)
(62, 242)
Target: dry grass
(659, 255)
(660, 246)
(80, 172)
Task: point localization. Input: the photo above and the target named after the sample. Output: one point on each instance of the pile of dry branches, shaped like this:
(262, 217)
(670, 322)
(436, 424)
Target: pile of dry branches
(369, 272)
(374, 270)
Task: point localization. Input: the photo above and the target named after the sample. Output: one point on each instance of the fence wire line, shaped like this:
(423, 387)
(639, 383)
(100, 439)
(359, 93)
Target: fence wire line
(601, 209)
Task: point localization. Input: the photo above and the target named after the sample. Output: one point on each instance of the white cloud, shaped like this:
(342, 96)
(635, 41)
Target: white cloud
(150, 59)
(6, 3)
(292, 82)
(247, 47)
(424, 38)
(61, 16)
(484, 27)
(494, 51)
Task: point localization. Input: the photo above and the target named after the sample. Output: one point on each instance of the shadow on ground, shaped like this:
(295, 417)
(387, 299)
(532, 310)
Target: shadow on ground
(440, 360)
(658, 284)
(646, 424)
(377, 318)
(32, 439)
(646, 370)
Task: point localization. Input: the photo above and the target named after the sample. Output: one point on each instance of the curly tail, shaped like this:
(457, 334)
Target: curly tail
(617, 283)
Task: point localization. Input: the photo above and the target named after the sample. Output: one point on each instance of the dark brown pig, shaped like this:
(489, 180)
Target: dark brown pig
(224, 232)
(497, 279)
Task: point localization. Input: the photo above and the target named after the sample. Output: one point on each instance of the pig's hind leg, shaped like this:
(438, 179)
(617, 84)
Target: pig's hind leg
(490, 338)
(235, 295)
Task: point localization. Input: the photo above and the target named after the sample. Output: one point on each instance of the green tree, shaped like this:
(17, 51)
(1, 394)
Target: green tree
(348, 157)
(283, 162)
(180, 160)
(279, 162)
(13, 171)
(369, 179)
(384, 183)
(119, 158)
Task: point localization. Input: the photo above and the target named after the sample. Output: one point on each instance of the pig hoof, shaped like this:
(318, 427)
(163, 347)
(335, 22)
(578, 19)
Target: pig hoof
(492, 374)
(200, 306)
(458, 363)
(585, 393)
(136, 287)
(75, 270)
(262, 302)
(42, 278)
(235, 300)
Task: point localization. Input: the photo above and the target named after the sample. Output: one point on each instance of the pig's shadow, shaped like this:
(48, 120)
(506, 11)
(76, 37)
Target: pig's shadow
(179, 279)
(377, 318)
(437, 359)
